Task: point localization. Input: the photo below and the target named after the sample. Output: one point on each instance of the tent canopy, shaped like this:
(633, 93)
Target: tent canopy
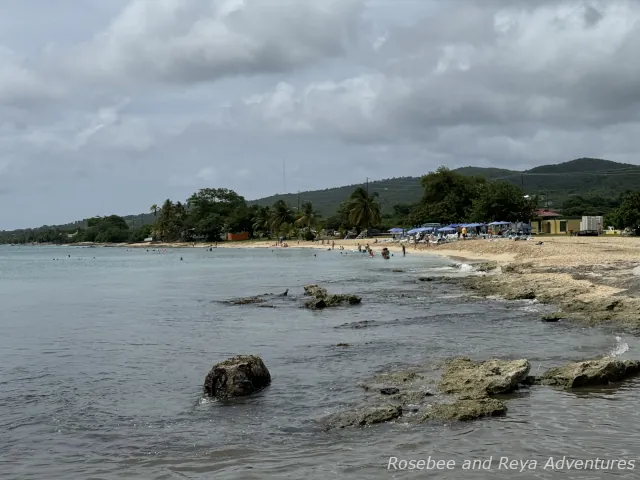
(396, 230)
(446, 229)
(500, 223)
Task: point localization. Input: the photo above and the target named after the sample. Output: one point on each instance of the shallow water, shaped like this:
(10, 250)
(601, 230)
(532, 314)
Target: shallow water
(102, 362)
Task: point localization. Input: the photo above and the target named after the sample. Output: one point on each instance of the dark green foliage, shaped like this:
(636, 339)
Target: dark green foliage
(584, 186)
(627, 215)
(501, 201)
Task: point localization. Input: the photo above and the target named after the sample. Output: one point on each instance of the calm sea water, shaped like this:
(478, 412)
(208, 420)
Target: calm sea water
(103, 354)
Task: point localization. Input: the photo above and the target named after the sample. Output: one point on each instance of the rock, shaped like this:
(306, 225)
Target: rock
(483, 378)
(358, 325)
(590, 373)
(486, 266)
(389, 390)
(246, 300)
(315, 291)
(237, 377)
(522, 293)
(552, 317)
(411, 397)
(397, 270)
(364, 416)
(466, 409)
(333, 300)
(426, 279)
(343, 345)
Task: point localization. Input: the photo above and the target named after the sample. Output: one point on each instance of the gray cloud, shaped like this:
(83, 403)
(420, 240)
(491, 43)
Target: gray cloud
(113, 106)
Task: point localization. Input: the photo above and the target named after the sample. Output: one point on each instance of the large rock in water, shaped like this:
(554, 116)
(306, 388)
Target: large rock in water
(237, 377)
(483, 378)
(590, 373)
(323, 299)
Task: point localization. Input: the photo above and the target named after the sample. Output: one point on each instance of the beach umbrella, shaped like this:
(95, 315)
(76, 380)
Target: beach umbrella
(396, 230)
(446, 229)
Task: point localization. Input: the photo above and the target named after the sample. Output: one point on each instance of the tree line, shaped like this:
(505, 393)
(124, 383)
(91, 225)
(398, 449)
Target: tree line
(447, 197)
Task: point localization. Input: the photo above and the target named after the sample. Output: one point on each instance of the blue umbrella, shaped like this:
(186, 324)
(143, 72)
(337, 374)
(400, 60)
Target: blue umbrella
(447, 229)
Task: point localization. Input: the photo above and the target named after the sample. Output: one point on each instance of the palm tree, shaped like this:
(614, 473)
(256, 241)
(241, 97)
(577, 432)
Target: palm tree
(308, 216)
(280, 214)
(364, 209)
(262, 219)
(154, 210)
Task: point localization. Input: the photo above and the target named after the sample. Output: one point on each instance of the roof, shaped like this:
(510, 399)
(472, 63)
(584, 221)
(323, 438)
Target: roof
(545, 212)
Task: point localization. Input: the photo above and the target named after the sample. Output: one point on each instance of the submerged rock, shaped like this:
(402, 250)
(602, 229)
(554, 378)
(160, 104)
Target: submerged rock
(246, 300)
(389, 390)
(364, 416)
(483, 378)
(590, 373)
(237, 377)
(466, 409)
(552, 317)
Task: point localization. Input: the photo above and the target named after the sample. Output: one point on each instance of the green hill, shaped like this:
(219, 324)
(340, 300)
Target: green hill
(553, 183)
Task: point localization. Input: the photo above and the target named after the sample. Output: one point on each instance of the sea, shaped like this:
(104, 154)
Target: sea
(104, 351)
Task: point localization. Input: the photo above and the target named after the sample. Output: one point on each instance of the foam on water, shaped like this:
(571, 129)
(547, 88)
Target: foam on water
(620, 348)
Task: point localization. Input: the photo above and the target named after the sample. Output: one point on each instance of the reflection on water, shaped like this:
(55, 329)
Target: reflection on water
(102, 362)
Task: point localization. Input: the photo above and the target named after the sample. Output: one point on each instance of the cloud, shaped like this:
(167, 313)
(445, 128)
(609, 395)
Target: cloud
(505, 71)
(22, 86)
(128, 102)
(186, 42)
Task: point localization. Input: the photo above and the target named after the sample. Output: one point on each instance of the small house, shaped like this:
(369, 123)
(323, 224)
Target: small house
(553, 223)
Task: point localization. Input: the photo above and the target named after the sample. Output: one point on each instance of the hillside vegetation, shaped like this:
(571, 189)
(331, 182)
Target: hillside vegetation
(585, 186)
(553, 184)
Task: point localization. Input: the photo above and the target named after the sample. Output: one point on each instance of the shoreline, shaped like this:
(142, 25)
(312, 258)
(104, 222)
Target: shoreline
(591, 280)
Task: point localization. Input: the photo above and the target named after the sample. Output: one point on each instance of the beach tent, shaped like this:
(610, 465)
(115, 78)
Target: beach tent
(447, 229)
(396, 230)
(500, 223)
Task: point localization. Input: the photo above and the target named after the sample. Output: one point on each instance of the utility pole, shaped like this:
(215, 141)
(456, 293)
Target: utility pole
(284, 176)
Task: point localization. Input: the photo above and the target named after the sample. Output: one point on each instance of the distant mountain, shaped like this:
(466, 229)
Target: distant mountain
(553, 183)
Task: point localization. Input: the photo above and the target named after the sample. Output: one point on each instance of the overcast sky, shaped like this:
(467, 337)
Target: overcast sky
(110, 106)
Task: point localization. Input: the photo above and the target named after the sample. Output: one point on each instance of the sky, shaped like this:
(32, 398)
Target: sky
(111, 106)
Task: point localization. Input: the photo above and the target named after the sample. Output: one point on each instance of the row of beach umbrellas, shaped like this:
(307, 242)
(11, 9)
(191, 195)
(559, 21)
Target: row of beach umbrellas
(448, 228)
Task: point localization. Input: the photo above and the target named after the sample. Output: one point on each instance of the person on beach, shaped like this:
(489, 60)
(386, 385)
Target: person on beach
(404, 251)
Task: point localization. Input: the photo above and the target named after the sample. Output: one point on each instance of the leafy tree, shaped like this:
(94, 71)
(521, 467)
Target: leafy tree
(308, 216)
(364, 209)
(215, 209)
(502, 201)
(447, 197)
(627, 215)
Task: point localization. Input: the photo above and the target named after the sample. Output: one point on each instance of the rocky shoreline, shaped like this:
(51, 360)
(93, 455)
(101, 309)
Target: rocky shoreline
(588, 294)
